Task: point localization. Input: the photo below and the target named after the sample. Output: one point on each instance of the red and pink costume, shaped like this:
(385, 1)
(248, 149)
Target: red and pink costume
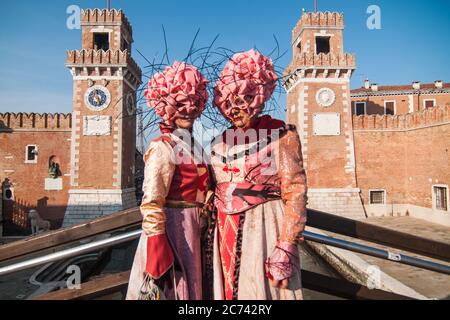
(175, 187)
(260, 193)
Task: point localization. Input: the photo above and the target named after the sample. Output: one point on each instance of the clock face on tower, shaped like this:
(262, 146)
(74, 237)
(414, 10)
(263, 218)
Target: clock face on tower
(130, 104)
(97, 98)
(325, 97)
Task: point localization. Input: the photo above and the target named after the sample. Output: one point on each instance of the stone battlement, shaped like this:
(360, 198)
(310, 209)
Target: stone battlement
(318, 61)
(331, 60)
(92, 17)
(97, 57)
(86, 57)
(320, 20)
(48, 121)
(432, 116)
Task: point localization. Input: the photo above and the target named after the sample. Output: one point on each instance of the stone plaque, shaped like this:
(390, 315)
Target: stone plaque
(97, 126)
(327, 124)
(53, 184)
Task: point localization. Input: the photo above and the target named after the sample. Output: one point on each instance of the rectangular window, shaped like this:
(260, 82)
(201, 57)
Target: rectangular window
(31, 154)
(440, 196)
(101, 41)
(322, 45)
(377, 197)
(360, 108)
(389, 107)
(429, 103)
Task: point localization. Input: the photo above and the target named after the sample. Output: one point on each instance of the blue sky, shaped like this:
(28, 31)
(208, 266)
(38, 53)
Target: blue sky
(413, 43)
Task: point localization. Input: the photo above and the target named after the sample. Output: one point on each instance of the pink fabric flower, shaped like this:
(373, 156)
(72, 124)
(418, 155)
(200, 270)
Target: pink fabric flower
(180, 91)
(247, 82)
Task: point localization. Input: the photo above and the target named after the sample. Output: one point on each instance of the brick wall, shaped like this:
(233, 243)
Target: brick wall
(112, 21)
(404, 155)
(51, 134)
(21, 121)
(333, 22)
(99, 172)
(326, 157)
(128, 138)
(403, 103)
(328, 160)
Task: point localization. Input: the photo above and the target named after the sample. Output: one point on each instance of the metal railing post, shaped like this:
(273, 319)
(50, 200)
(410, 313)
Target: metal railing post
(310, 236)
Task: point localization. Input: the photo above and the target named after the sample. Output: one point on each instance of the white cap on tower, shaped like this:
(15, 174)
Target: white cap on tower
(439, 84)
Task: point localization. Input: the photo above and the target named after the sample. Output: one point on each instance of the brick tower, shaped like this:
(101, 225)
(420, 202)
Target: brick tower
(318, 95)
(103, 143)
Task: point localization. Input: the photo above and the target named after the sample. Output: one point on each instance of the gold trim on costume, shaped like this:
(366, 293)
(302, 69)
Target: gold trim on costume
(154, 220)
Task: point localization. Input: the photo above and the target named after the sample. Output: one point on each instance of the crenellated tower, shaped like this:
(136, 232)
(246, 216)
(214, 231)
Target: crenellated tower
(318, 95)
(105, 81)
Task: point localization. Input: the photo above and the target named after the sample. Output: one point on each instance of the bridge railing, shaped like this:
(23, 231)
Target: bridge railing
(309, 236)
(320, 220)
(130, 219)
(379, 235)
(54, 239)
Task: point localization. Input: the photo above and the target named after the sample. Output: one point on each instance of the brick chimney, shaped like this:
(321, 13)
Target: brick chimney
(367, 84)
(374, 87)
(416, 85)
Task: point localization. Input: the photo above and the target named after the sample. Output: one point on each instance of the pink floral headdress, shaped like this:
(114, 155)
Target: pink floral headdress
(180, 91)
(247, 82)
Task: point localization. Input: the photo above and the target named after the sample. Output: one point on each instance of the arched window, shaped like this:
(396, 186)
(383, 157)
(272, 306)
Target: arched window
(54, 168)
(8, 191)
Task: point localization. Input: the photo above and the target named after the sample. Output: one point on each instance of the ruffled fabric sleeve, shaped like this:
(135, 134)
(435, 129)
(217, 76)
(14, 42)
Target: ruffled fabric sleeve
(293, 187)
(159, 170)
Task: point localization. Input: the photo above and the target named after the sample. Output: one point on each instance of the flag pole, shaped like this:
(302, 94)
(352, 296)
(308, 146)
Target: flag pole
(109, 4)
(315, 5)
